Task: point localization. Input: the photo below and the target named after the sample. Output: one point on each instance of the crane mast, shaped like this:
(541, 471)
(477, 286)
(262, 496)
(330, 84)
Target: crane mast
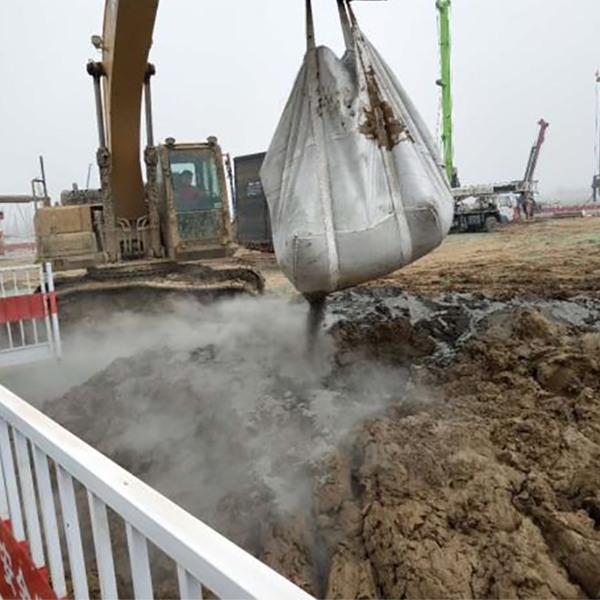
(535, 152)
(445, 82)
(527, 200)
(596, 180)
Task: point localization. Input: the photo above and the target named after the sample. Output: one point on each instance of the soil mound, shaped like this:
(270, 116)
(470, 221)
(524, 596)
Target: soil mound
(446, 447)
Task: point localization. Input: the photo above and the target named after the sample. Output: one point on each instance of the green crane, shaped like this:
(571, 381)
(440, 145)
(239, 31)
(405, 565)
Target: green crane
(445, 82)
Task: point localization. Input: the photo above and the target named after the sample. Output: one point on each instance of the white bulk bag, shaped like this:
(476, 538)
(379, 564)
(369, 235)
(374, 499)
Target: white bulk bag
(355, 186)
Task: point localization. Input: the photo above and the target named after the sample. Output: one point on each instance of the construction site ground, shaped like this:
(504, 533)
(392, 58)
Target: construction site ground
(440, 439)
(551, 257)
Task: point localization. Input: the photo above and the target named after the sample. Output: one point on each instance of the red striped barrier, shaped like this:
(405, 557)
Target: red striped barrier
(27, 307)
(29, 329)
(574, 208)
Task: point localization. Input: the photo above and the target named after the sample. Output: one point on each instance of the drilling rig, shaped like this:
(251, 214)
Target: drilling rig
(445, 83)
(596, 180)
(479, 207)
(527, 200)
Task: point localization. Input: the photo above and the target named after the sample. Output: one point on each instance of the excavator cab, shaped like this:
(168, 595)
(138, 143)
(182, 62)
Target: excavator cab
(188, 217)
(193, 203)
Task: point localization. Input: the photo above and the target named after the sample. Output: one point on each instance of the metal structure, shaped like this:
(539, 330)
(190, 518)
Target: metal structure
(18, 199)
(527, 200)
(39, 513)
(253, 221)
(596, 179)
(39, 192)
(38, 197)
(29, 328)
(535, 152)
(445, 82)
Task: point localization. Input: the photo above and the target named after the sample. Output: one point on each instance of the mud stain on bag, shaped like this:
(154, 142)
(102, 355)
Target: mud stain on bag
(381, 124)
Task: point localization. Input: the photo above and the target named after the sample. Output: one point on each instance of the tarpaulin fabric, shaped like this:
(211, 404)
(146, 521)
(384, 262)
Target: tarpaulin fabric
(354, 182)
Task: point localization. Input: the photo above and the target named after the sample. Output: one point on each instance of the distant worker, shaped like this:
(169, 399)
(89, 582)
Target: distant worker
(525, 207)
(528, 204)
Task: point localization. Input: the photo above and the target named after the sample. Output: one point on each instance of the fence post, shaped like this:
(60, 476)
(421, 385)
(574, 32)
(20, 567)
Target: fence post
(53, 311)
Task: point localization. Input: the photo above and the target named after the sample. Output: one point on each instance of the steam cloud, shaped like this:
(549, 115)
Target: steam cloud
(210, 400)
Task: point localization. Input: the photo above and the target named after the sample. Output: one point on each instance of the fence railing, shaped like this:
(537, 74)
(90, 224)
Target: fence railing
(29, 329)
(53, 485)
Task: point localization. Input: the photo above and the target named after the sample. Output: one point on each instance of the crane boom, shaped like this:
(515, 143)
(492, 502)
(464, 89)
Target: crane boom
(535, 152)
(445, 83)
(126, 42)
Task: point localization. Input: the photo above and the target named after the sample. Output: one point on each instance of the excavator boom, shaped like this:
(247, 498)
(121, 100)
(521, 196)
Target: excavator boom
(126, 42)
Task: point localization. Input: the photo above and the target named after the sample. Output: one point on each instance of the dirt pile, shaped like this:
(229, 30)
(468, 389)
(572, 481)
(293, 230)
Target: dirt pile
(443, 447)
(494, 492)
(247, 411)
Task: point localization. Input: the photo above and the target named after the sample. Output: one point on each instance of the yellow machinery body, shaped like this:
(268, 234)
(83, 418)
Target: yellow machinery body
(181, 212)
(194, 221)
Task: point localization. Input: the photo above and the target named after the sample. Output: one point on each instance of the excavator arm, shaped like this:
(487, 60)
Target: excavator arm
(126, 42)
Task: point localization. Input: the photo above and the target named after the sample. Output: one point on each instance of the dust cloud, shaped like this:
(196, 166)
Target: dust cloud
(208, 401)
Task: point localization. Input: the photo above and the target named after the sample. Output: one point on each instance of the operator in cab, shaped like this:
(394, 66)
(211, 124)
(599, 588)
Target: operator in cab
(190, 197)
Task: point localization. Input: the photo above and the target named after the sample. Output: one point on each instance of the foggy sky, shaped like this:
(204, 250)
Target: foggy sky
(226, 67)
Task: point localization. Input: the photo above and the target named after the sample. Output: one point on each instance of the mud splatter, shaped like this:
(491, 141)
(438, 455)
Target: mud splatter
(381, 124)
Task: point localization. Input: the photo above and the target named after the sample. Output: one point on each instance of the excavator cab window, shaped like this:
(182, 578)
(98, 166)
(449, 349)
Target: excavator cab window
(196, 193)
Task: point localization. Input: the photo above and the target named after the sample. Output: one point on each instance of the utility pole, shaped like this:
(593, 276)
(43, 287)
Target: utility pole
(445, 82)
(596, 180)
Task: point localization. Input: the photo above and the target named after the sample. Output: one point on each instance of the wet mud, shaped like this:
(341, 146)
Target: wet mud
(443, 446)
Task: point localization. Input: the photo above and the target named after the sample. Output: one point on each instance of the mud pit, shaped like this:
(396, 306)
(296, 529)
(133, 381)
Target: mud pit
(434, 447)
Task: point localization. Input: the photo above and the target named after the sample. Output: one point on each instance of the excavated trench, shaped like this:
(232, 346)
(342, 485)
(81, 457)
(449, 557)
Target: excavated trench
(427, 447)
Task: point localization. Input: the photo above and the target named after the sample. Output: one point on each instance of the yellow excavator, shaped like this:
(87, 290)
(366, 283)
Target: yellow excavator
(169, 233)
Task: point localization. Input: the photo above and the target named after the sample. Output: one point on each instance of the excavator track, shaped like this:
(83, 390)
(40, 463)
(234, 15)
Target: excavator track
(151, 287)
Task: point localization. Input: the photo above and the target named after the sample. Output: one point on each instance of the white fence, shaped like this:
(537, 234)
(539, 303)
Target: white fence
(29, 329)
(33, 449)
